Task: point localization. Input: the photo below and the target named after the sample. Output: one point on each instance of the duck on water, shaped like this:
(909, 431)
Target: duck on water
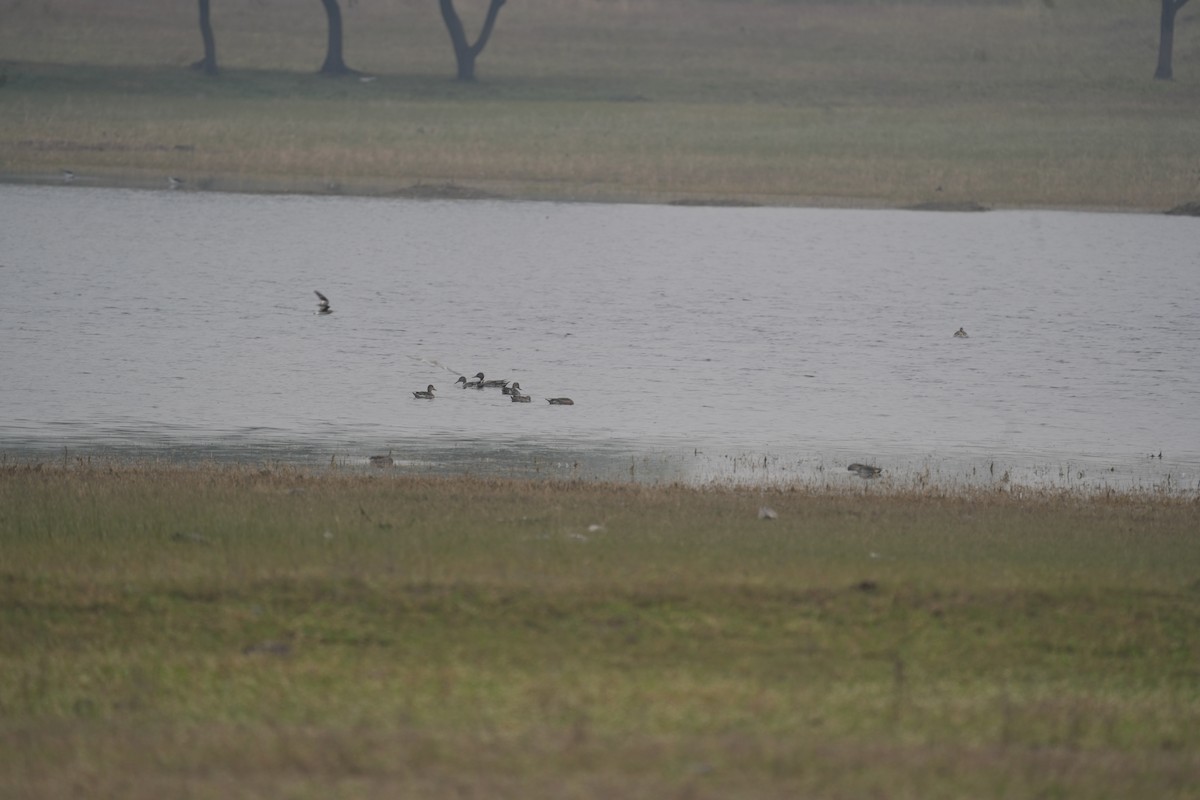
(492, 384)
(425, 395)
(480, 383)
(865, 471)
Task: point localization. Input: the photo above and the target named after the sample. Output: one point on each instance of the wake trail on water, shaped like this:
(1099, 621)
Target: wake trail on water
(433, 362)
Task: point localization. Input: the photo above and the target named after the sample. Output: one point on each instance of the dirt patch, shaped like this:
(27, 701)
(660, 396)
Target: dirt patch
(949, 205)
(722, 202)
(1190, 209)
(68, 146)
(445, 191)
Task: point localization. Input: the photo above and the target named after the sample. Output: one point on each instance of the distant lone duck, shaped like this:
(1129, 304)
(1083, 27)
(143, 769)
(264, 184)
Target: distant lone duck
(960, 334)
(425, 395)
(865, 471)
(173, 182)
(322, 303)
(515, 388)
(382, 461)
(560, 401)
(520, 398)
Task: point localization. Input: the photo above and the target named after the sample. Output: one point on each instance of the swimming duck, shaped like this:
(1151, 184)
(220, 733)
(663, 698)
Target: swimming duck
(515, 388)
(520, 398)
(322, 303)
(865, 471)
(382, 461)
(560, 401)
(466, 384)
(960, 334)
(425, 395)
(489, 384)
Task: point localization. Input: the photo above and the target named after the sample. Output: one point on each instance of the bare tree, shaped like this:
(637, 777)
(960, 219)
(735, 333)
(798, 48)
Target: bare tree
(209, 63)
(1166, 38)
(334, 65)
(464, 52)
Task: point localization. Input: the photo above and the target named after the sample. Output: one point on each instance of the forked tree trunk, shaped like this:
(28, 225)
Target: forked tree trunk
(209, 63)
(1166, 39)
(334, 65)
(465, 53)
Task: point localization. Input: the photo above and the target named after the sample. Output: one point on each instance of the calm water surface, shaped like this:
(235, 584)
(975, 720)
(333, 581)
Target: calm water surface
(734, 344)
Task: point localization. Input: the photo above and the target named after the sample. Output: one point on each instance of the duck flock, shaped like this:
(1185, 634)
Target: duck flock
(513, 390)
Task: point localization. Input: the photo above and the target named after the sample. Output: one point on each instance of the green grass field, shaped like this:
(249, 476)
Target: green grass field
(1017, 103)
(236, 632)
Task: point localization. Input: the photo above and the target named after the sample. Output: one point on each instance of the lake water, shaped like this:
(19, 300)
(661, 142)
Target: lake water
(749, 345)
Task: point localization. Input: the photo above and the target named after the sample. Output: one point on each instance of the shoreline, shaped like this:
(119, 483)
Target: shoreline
(362, 474)
(547, 192)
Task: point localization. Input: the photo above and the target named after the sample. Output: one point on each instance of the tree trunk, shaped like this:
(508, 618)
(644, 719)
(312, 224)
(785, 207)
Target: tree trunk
(209, 63)
(334, 65)
(1166, 39)
(465, 53)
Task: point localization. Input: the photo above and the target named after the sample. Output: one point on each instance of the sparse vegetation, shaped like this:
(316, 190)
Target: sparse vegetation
(844, 103)
(238, 632)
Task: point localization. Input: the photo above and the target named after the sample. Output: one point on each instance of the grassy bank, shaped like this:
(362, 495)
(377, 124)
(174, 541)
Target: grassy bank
(851, 103)
(228, 632)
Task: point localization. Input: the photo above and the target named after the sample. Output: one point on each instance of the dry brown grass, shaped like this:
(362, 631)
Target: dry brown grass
(815, 103)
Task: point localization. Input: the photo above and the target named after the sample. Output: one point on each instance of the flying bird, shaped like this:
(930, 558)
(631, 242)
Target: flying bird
(322, 303)
(173, 182)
